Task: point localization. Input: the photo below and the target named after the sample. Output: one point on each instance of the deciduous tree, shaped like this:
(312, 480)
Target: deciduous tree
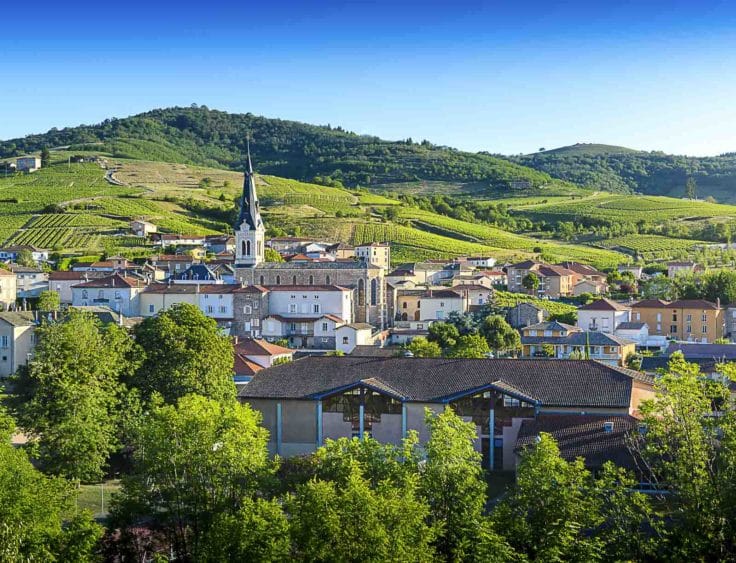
(184, 352)
(423, 348)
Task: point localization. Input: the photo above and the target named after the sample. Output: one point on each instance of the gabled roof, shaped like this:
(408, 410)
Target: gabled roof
(525, 265)
(583, 436)
(696, 350)
(553, 325)
(257, 347)
(692, 304)
(604, 305)
(72, 275)
(200, 272)
(582, 269)
(631, 326)
(573, 383)
(288, 288)
(358, 326)
(18, 318)
(649, 304)
(243, 366)
(115, 280)
(554, 271)
(579, 338)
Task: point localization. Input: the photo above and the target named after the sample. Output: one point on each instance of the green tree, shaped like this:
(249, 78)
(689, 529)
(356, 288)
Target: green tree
(470, 346)
(423, 348)
(194, 463)
(530, 282)
(444, 334)
(692, 453)
(32, 510)
(68, 397)
(45, 157)
(691, 188)
(499, 334)
(352, 521)
(48, 301)
(452, 483)
(272, 256)
(25, 258)
(184, 353)
(548, 513)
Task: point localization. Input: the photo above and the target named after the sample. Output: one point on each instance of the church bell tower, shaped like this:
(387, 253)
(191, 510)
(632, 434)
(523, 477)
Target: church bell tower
(250, 233)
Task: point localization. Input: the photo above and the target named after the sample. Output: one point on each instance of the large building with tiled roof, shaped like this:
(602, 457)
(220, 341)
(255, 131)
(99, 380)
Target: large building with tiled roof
(554, 281)
(315, 398)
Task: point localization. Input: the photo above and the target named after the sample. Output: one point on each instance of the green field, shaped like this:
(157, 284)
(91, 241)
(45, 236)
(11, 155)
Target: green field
(506, 299)
(643, 244)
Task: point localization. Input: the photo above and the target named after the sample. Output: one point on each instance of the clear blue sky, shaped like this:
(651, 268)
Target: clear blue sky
(505, 77)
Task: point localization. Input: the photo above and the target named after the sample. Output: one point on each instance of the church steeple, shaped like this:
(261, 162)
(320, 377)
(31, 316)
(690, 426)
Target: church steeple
(249, 209)
(249, 230)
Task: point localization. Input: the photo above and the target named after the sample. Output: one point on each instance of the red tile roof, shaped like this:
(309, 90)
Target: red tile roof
(116, 280)
(243, 366)
(252, 347)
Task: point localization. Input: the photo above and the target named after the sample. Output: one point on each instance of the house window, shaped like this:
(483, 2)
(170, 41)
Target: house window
(223, 309)
(705, 317)
(256, 322)
(659, 317)
(688, 318)
(278, 280)
(151, 308)
(219, 296)
(3, 341)
(674, 316)
(316, 308)
(345, 340)
(85, 294)
(292, 307)
(324, 327)
(510, 401)
(247, 310)
(292, 326)
(404, 305)
(673, 329)
(117, 295)
(705, 329)
(210, 309)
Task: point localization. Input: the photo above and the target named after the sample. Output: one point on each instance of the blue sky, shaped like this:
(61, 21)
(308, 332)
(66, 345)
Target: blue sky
(505, 77)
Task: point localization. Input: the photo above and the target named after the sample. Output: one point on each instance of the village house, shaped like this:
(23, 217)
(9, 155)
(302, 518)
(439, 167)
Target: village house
(473, 279)
(253, 355)
(603, 315)
(557, 340)
(481, 261)
(11, 253)
(475, 296)
(250, 307)
(163, 240)
(350, 335)
(554, 281)
(172, 263)
(28, 164)
(675, 269)
(307, 401)
(29, 282)
(684, 319)
(120, 293)
(141, 228)
(525, 313)
(376, 253)
(62, 282)
(428, 304)
(219, 244)
(8, 289)
(17, 341)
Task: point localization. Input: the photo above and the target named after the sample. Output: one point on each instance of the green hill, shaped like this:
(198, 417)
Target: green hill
(618, 169)
(198, 135)
(589, 149)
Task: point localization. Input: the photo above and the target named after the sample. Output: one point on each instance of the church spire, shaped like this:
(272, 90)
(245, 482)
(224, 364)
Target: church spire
(250, 212)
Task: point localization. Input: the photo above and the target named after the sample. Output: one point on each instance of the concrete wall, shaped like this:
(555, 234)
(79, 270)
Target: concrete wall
(389, 429)
(334, 427)
(510, 434)
(415, 417)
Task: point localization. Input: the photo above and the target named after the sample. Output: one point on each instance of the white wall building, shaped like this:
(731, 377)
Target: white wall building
(311, 301)
(119, 293)
(603, 315)
(348, 336)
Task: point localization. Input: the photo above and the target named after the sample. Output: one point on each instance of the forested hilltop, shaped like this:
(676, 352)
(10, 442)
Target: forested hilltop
(618, 169)
(198, 135)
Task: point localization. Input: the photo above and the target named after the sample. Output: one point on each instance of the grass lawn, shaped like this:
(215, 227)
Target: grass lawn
(96, 498)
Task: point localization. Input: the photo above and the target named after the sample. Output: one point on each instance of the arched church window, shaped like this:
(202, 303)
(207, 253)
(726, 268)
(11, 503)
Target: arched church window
(293, 280)
(327, 279)
(242, 248)
(263, 280)
(278, 280)
(311, 280)
(247, 247)
(361, 292)
(374, 291)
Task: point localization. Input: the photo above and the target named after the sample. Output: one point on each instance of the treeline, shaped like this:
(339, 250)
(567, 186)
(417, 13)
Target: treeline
(290, 149)
(653, 173)
(198, 483)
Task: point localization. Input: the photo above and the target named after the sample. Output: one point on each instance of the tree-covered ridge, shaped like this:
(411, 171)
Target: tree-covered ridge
(207, 137)
(618, 169)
